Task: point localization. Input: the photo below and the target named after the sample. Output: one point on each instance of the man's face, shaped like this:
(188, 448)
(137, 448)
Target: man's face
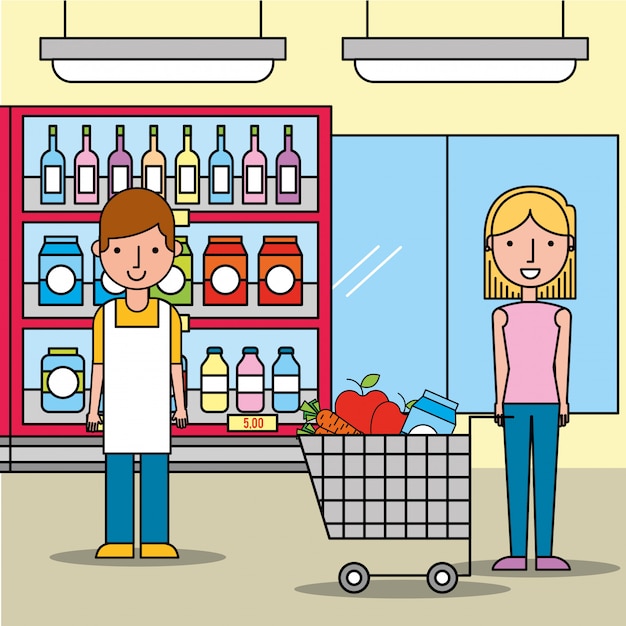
(139, 261)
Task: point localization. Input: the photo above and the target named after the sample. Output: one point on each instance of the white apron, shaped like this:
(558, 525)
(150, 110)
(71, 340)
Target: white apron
(137, 385)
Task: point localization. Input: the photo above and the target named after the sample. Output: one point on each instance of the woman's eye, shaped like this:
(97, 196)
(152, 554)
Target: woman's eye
(116, 250)
(155, 250)
(550, 243)
(509, 243)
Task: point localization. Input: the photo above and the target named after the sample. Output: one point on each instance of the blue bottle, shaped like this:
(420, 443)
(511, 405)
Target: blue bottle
(221, 171)
(60, 271)
(104, 288)
(286, 382)
(52, 175)
(63, 381)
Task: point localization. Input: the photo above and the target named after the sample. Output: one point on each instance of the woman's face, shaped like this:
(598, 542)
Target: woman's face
(530, 256)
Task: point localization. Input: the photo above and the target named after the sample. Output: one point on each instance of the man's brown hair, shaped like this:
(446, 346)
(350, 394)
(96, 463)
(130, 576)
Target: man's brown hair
(134, 211)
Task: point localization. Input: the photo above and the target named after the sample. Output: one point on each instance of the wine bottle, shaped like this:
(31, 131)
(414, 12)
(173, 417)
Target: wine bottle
(288, 172)
(254, 171)
(153, 165)
(187, 172)
(120, 166)
(52, 173)
(221, 171)
(86, 177)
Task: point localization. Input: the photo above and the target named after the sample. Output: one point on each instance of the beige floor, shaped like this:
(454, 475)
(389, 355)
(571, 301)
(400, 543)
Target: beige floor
(253, 550)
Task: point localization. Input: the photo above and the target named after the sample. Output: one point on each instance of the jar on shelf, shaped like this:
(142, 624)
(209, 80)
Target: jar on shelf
(60, 271)
(62, 381)
(225, 271)
(280, 271)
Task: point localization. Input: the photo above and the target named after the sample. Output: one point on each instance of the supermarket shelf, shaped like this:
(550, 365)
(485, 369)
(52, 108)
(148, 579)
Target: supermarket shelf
(309, 195)
(252, 311)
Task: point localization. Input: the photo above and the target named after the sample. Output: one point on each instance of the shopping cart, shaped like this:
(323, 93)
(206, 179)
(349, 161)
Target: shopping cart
(384, 493)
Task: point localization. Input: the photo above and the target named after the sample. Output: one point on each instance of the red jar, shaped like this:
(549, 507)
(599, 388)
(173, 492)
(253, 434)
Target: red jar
(225, 272)
(280, 271)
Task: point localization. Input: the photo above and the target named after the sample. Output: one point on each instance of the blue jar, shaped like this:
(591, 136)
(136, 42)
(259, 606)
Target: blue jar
(63, 381)
(286, 382)
(60, 271)
(104, 288)
(432, 414)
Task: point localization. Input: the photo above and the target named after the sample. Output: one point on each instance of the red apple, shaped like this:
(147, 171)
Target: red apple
(387, 419)
(358, 409)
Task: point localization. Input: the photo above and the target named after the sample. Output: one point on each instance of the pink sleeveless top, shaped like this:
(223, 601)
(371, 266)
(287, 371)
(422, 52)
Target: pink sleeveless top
(530, 335)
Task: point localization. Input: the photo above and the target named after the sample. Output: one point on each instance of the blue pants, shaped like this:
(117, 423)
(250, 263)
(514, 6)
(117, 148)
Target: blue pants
(120, 495)
(531, 427)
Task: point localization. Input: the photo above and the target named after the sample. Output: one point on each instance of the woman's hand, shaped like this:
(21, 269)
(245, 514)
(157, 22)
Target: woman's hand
(499, 414)
(563, 414)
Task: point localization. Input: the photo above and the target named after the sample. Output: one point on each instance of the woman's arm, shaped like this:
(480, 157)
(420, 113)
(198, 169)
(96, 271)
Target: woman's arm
(500, 361)
(563, 320)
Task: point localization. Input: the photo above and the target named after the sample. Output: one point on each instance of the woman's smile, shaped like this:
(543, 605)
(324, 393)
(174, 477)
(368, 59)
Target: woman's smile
(530, 273)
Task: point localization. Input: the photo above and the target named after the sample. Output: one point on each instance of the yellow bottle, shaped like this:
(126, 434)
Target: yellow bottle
(187, 172)
(214, 382)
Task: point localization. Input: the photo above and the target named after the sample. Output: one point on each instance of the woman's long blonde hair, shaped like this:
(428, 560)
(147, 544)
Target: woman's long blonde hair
(549, 209)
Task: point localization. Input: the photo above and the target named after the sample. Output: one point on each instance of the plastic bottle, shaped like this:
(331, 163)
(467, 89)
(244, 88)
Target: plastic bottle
(286, 381)
(250, 377)
(63, 381)
(214, 382)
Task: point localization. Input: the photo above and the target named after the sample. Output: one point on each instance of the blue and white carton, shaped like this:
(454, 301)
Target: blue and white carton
(432, 414)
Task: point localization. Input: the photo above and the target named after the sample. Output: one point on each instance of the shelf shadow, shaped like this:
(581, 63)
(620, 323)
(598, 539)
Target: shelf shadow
(186, 557)
(409, 588)
(579, 568)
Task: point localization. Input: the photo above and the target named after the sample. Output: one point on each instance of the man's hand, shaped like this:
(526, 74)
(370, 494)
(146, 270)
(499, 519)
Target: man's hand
(93, 421)
(180, 418)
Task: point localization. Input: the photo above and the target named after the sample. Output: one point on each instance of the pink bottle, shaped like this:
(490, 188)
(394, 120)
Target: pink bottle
(86, 179)
(254, 172)
(250, 377)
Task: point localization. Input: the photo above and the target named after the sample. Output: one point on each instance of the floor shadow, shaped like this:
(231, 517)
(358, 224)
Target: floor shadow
(186, 557)
(409, 588)
(579, 568)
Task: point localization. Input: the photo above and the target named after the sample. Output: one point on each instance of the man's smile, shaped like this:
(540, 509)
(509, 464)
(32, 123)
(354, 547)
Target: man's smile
(136, 279)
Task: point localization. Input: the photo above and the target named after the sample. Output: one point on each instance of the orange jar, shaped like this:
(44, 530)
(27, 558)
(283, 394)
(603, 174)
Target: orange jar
(280, 271)
(225, 272)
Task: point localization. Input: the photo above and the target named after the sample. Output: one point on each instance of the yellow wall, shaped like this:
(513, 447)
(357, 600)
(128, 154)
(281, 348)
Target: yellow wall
(593, 101)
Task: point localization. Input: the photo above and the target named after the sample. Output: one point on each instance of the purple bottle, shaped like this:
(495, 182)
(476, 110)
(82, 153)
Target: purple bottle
(120, 167)
(288, 172)
(250, 377)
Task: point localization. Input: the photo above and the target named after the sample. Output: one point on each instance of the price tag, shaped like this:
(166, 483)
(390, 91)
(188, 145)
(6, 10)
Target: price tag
(252, 423)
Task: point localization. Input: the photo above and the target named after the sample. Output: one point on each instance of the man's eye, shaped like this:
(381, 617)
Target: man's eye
(155, 250)
(116, 250)
(509, 243)
(550, 243)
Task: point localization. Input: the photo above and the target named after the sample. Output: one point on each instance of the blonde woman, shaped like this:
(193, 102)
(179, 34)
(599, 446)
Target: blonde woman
(530, 256)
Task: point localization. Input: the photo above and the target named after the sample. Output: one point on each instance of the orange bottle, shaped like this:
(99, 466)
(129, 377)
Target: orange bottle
(225, 272)
(280, 271)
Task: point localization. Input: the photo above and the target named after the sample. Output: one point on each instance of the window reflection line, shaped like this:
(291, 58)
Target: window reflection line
(383, 262)
(350, 271)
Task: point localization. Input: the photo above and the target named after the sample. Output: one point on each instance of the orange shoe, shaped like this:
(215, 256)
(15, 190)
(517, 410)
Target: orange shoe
(158, 551)
(115, 551)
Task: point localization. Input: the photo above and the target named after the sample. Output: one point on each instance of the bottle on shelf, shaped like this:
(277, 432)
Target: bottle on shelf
(177, 286)
(254, 172)
(62, 381)
(221, 171)
(60, 271)
(225, 271)
(286, 381)
(250, 378)
(120, 165)
(86, 175)
(288, 172)
(153, 165)
(214, 382)
(52, 175)
(187, 172)
(280, 271)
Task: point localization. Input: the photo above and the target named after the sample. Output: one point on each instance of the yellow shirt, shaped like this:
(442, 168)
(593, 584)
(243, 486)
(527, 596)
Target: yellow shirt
(149, 317)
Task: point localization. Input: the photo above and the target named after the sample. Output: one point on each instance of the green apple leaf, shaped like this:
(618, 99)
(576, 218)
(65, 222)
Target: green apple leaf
(370, 380)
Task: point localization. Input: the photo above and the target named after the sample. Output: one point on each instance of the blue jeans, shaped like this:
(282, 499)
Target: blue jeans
(120, 496)
(531, 427)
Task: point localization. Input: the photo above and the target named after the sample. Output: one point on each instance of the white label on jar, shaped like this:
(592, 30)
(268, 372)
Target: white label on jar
(225, 279)
(173, 282)
(52, 174)
(63, 382)
(250, 384)
(110, 285)
(280, 279)
(86, 179)
(221, 179)
(61, 279)
(254, 179)
(120, 178)
(187, 179)
(288, 179)
(214, 384)
(286, 384)
(153, 178)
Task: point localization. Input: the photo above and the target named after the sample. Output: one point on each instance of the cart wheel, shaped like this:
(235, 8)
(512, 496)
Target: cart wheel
(442, 577)
(354, 577)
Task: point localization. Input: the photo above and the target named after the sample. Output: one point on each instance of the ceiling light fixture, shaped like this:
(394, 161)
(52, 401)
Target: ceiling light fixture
(465, 59)
(162, 59)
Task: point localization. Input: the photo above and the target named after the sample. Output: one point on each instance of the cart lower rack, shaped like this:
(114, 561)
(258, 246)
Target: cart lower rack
(380, 492)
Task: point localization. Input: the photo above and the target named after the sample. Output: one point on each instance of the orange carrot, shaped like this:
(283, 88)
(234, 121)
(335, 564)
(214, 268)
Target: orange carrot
(335, 424)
